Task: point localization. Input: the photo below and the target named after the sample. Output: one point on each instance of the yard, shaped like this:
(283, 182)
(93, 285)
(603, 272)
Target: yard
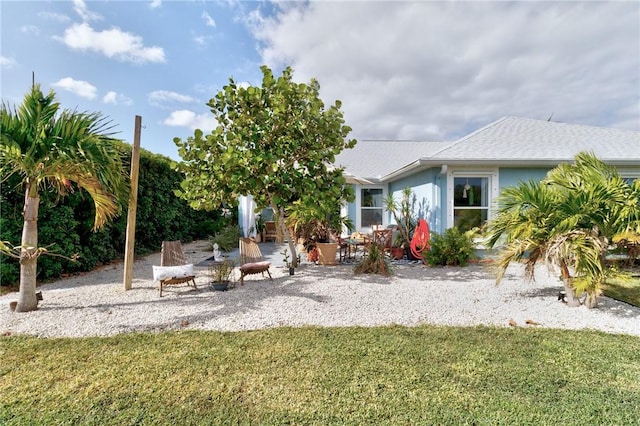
(383, 375)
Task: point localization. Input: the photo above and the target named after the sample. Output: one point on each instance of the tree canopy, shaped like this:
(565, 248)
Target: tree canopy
(275, 142)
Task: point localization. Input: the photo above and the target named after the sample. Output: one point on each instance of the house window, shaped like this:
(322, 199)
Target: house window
(371, 207)
(470, 196)
(470, 202)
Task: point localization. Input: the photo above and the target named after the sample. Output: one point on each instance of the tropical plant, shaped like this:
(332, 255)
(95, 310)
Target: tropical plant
(227, 238)
(629, 242)
(453, 248)
(567, 220)
(60, 152)
(260, 224)
(403, 212)
(315, 222)
(274, 142)
(374, 262)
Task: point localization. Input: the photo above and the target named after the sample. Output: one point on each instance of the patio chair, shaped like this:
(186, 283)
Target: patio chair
(384, 238)
(343, 248)
(251, 260)
(270, 231)
(174, 268)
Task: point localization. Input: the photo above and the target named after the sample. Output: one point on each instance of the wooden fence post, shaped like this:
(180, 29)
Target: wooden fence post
(133, 204)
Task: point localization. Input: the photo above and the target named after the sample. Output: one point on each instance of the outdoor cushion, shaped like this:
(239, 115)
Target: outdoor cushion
(255, 267)
(165, 272)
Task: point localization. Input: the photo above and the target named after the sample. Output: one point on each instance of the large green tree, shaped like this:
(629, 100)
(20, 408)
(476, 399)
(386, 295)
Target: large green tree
(274, 142)
(59, 151)
(568, 220)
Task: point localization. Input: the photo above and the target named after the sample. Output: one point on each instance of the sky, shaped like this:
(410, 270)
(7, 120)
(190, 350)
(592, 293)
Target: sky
(419, 70)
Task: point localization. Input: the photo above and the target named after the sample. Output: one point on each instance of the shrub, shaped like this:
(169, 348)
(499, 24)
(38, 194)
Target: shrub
(65, 225)
(454, 248)
(227, 238)
(374, 262)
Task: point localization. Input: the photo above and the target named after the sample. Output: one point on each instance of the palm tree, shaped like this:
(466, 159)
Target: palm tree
(59, 152)
(567, 220)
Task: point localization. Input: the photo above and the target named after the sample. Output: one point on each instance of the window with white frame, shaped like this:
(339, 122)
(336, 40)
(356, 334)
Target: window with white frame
(470, 202)
(470, 196)
(371, 207)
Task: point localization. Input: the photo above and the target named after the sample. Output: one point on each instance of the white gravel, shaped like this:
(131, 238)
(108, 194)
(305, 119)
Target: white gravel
(96, 304)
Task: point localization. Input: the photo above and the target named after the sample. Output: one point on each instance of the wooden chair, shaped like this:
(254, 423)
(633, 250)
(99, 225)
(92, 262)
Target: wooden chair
(251, 260)
(384, 238)
(270, 231)
(343, 248)
(173, 255)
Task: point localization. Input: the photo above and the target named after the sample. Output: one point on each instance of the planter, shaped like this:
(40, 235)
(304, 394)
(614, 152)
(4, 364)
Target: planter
(219, 286)
(410, 255)
(397, 253)
(327, 253)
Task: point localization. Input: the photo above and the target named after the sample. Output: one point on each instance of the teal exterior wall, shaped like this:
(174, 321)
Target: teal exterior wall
(351, 207)
(510, 176)
(430, 189)
(427, 185)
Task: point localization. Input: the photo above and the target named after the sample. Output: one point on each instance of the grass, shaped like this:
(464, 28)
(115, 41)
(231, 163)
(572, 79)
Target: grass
(627, 290)
(385, 375)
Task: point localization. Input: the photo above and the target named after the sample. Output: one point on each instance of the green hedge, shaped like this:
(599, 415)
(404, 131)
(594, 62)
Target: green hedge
(65, 225)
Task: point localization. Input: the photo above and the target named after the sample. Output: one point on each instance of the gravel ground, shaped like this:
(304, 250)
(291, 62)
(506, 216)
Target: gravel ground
(96, 304)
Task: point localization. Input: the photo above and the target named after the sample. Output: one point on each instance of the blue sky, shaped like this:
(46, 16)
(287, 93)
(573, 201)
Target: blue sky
(416, 70)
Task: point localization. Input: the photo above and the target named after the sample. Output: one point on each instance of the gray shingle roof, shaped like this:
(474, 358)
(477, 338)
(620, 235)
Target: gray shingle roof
(510, 140)
(523, 139)
(372, 159)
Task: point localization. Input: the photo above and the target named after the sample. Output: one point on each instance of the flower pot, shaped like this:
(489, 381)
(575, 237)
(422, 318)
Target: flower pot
(327, 253)
(219, 286)
(397, 253)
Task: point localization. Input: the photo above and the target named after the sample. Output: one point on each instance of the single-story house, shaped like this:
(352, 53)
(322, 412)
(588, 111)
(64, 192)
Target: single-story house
(456, 183)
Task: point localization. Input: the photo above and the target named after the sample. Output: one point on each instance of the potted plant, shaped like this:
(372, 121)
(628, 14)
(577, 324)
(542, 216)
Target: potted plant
(316, 225)
(221, 273)
(259, 227)
(397, 249)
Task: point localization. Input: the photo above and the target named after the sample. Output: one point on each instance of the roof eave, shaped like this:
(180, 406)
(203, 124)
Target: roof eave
(426, 163)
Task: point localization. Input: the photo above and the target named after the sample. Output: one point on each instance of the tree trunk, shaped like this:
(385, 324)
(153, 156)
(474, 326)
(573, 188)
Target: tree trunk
(27, 300)
(572, 298)
(285, 231)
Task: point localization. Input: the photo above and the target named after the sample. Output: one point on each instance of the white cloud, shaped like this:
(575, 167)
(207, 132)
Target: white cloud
(155, 4)
(164, 97)
(116, 99)
(54, 16)
(436, 70)
(80, 88)
(191, 120)
(80, 7)
(113, 43)
(30, 29)
(209, 22)
(6, 62)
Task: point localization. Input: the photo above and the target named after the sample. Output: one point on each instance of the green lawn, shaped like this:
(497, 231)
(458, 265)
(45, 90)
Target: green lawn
(386, 375)
(625, 290)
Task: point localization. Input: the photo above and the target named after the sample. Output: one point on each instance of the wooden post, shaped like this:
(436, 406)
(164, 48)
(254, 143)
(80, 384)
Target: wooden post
(133, 204)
